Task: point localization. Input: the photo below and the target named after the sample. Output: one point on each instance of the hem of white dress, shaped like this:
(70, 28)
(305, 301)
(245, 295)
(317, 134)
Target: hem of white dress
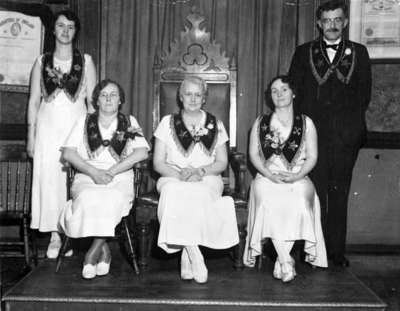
(254, 250)
(177, 246)
(41, 229)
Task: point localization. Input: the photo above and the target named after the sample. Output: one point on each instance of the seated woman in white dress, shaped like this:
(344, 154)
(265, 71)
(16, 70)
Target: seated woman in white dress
(190, 154)
(102, 147)
(283, 204)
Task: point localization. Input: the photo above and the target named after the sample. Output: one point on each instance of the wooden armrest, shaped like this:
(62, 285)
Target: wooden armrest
(238, 163)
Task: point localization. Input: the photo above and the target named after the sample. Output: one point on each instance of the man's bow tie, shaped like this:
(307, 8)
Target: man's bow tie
(332, 46)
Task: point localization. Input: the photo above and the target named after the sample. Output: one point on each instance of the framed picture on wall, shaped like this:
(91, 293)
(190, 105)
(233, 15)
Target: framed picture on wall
(376, 24)
(21, 42)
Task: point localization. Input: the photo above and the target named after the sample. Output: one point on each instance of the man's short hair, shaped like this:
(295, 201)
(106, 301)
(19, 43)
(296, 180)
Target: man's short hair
(331, 6)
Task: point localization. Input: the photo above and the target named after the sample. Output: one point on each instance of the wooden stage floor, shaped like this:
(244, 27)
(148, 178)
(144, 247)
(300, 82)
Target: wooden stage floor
(159, 288)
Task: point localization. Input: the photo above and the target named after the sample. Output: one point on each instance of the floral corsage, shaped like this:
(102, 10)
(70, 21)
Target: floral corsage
(199, 131)
(131, 132)
(273, 140)
(61, 79)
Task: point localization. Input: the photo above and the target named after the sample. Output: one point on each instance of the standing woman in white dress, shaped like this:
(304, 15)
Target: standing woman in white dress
(102, 146)
(190, 155)
(283, 204)
(60, 83)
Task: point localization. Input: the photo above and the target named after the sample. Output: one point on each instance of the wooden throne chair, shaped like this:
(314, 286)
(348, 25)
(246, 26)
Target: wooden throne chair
(195, 54)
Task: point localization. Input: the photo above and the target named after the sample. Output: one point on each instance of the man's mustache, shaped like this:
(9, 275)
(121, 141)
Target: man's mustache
(332, 30)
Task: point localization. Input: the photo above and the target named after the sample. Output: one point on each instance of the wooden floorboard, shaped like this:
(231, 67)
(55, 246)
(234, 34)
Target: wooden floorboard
(159, 288)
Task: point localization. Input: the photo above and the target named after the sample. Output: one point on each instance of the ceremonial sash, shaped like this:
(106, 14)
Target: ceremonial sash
(269, 142)
(95, 144)
(342, 65)
(54, 81)
(186, 139)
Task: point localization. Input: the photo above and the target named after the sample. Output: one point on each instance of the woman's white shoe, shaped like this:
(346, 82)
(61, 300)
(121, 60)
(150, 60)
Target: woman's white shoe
(200, 272)
(88, 271)
(102, 268)
(199, 269)
(277, 270)
(186, 268)
(288, 272)
(53, 249)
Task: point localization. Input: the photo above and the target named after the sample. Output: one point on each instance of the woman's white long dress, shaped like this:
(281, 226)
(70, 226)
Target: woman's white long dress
(95, 209)
(286, 212)
(193, 213)
(54, 122)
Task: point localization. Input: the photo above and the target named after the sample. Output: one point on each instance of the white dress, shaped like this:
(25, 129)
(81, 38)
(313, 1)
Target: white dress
(193, 213)
(95, 209)
(285, 212)
(54, 122)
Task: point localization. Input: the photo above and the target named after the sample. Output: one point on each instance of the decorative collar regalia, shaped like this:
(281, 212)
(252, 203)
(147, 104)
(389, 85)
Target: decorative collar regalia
(269, 143)
(95, 144)
(186, 139)
(54, 81)
(342, 65)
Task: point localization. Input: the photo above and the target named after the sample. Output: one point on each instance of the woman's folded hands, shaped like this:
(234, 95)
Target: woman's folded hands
(190, 174)
(101, 177)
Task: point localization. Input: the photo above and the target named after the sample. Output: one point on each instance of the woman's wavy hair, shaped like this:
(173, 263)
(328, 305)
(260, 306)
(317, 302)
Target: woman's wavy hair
(100, 86)
(285, 79)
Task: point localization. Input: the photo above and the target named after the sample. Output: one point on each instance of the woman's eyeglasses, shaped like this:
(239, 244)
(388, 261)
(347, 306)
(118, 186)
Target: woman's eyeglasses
(106, 96)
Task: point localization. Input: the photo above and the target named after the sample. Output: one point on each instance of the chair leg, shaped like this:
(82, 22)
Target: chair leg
(131, 250)
(238, 250)
(33, 238)
(26, 241)
(143, 244)
(261, 257)
(62, 252)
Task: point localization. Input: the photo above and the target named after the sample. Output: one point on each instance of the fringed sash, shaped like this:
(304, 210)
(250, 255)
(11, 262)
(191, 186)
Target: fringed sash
(95, 143)
(54, 81)
(186, 140)
(343, 63)
(288, 150)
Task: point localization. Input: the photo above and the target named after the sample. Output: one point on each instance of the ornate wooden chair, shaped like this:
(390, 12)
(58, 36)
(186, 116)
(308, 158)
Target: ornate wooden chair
(123, 229)
(15, 196)
(195, 54)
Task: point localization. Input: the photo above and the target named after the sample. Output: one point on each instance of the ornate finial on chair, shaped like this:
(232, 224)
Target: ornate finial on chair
(232, 63)
(157, 59)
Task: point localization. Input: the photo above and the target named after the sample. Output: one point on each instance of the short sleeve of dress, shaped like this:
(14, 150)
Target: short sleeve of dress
(75, 137)
(139, 141)
(222, 135)
(163, 129)
(309, 123)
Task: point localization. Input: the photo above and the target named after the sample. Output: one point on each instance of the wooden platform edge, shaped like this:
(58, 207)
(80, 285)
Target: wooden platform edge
(11, 298)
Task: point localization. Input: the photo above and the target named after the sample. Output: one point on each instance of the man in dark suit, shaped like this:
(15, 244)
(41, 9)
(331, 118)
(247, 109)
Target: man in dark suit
(333, 80)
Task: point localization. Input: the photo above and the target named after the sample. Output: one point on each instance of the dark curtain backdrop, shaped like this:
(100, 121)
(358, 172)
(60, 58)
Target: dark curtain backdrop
(260, 34)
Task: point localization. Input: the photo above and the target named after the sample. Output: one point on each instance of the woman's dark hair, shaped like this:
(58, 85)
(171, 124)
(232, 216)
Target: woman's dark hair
(285, 79)
(100, 86)
(71, 16)
(331, 6)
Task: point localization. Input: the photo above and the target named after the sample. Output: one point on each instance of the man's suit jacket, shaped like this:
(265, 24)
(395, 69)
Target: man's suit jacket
(334, 95)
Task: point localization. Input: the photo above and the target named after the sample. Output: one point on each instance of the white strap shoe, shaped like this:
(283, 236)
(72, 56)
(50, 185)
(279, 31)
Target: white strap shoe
(53, 249)
(277, 274)
(186, 267)
(88, 271)
(102, 268)
(199, 269)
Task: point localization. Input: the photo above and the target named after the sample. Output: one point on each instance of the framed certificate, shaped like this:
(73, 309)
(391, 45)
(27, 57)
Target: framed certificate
(21, 42)
(376, 24)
